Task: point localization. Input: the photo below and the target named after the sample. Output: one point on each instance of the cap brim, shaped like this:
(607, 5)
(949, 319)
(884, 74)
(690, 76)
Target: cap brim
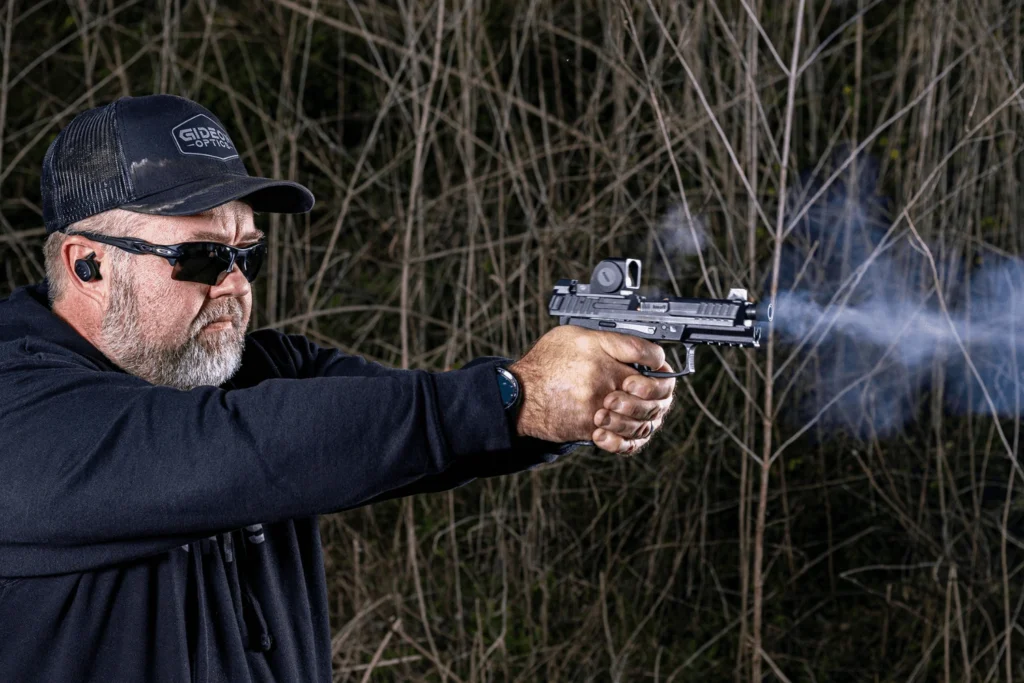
(262, 194)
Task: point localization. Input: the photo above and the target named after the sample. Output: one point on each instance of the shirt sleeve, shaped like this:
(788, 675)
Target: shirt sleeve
(523, 453)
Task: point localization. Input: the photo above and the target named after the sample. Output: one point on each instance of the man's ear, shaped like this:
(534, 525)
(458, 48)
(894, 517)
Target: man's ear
(83, 260)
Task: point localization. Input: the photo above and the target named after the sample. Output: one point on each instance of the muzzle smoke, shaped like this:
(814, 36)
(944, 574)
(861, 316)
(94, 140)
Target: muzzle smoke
(860, 318)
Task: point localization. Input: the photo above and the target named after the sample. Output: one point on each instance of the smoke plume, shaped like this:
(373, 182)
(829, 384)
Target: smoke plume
(860, 312)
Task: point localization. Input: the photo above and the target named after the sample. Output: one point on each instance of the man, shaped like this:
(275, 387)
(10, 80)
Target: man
(161, 471)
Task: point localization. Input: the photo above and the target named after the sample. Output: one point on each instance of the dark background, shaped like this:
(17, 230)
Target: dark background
(462, 166)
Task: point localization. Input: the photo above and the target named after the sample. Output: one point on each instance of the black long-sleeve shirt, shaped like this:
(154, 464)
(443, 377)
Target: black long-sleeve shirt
(149, 533)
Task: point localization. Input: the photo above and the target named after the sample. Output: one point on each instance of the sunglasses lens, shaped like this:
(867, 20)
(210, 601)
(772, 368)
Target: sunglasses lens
(252, 262)
(207, 263)
(202, 263)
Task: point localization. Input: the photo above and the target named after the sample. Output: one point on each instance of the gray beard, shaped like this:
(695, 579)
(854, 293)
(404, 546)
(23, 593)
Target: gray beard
(200, 361)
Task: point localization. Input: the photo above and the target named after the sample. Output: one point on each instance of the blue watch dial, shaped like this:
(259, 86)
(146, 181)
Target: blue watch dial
(509, 387)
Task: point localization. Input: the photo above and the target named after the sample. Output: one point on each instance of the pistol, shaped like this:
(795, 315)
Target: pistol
(613, 303)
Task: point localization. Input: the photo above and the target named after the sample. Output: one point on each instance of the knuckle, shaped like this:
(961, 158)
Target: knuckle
(613, 401)
(641, 431)
(635, 345)
(657, 354)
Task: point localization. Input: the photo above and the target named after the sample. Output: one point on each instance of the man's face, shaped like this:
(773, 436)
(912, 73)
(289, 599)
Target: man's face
(180, 334)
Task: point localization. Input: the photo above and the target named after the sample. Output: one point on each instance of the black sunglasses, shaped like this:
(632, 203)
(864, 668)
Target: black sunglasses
(204, 262)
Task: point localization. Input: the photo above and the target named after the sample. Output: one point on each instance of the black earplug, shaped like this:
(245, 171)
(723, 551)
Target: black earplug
(87, 269)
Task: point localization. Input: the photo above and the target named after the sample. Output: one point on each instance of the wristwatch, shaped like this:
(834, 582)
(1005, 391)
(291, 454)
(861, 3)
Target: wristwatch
(511, 394)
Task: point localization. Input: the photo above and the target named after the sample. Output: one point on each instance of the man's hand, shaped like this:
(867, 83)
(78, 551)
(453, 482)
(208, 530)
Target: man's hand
(575, 379)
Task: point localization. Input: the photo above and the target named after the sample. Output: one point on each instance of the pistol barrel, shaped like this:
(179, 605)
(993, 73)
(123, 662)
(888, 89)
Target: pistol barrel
(761, 312)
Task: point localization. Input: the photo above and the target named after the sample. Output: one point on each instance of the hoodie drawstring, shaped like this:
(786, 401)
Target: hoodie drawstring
(263, 640)
(253, 620)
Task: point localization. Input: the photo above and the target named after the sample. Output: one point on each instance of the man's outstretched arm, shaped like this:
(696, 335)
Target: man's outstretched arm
(103, 467)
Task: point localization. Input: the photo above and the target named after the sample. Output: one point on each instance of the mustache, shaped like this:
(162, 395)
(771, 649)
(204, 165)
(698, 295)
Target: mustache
(229, 307)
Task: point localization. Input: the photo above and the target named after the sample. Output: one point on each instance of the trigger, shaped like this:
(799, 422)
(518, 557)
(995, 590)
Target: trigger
(689, 358)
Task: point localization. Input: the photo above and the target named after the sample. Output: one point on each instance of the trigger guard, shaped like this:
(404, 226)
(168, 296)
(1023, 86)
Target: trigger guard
(688, 366)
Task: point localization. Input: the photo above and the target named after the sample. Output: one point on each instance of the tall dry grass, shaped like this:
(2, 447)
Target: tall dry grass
(465, 155)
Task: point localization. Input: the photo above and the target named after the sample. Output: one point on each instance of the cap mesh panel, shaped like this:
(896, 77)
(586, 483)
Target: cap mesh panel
(83, 171)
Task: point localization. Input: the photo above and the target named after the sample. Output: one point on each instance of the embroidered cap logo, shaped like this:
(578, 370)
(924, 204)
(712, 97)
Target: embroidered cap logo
(201, 136)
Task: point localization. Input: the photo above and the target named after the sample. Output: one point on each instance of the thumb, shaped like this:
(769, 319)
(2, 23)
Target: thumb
(628, 349)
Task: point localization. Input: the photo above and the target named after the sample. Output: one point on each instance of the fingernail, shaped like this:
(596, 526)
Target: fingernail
(617, 406)
(607, 420)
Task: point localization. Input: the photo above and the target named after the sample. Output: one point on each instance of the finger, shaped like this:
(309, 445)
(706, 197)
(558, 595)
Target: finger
(613, 443)
(650, 388)
(628, 349)
(625, 427)
(636, 408)
(664, 367)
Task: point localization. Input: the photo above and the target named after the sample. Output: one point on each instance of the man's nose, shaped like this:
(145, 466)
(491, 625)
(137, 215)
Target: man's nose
(231, 284)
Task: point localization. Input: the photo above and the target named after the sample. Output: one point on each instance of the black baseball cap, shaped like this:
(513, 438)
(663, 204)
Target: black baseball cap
(158, 154)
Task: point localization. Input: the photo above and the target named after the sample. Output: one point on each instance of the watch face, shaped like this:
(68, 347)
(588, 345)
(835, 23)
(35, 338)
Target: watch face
(509, 388)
